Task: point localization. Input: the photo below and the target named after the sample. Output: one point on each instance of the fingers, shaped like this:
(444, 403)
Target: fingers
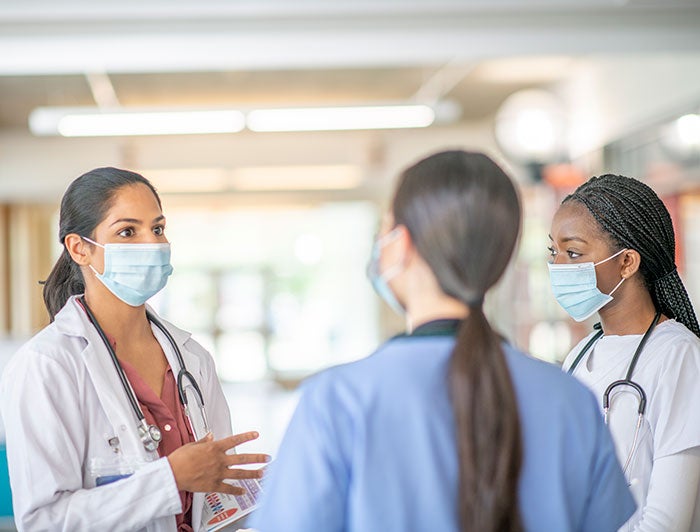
(240, 474)
(237, 439)
(247, 458)
(231, 490)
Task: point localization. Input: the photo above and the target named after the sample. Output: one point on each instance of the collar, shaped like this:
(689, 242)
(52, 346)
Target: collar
(72, 320)
(440, 327)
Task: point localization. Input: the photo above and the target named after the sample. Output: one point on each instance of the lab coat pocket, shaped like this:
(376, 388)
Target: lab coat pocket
(107, 470)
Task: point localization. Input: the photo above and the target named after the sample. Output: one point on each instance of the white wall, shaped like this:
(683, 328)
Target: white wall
(614, 95)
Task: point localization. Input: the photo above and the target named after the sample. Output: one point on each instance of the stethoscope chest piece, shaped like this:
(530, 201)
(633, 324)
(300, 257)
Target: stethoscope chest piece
(150, 436)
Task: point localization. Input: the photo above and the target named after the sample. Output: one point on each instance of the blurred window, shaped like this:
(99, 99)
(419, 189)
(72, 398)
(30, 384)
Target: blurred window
(274, 293)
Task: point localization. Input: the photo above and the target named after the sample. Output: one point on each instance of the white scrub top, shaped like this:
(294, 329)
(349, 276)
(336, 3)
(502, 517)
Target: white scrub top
(669, 371)
(371, 446)
(62, 402)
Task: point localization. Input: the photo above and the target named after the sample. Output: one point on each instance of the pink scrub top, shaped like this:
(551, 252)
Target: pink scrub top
(167, 413)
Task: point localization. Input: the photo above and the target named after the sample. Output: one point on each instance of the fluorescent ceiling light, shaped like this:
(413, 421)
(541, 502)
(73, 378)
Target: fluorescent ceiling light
(341, 118)
(79, 122)
(319, 177)
(95, 122)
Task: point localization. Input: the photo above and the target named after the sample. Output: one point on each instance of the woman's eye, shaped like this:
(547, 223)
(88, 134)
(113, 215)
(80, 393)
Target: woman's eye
(159, 230)
(126, 232)
(552, 251)
(573, 254)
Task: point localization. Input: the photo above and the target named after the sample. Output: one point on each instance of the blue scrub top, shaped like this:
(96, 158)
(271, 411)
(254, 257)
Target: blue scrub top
(371, 446)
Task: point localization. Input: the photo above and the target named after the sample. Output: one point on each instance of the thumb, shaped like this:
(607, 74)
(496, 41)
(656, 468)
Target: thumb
(208, 437)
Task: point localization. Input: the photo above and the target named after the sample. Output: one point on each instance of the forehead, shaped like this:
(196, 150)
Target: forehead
(573, 219)
(134, 201)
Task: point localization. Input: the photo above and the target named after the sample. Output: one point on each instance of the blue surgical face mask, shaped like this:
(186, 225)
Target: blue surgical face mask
(134, 272)
(575, 287)
(380, 280)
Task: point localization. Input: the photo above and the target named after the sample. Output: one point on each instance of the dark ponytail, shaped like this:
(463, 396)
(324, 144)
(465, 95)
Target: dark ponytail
(84, 205)
(463, 214)
(634, 217)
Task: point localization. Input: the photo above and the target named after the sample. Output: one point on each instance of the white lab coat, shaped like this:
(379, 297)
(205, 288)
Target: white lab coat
(669, 372)
(61, 402)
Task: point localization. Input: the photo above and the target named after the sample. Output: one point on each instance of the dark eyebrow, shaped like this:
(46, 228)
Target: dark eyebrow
(135, 221)
(573, 239)
(570, 239)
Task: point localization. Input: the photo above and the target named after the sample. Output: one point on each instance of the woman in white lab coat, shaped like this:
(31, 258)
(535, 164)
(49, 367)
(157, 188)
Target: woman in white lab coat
(80, 457)
(613, 252)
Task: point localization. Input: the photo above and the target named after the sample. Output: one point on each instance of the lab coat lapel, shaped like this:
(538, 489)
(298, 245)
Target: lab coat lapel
(104, 376)
(181, 337)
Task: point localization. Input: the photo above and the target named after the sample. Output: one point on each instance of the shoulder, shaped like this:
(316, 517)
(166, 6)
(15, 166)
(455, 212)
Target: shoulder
(673, 348)
(46, 356)
(397, 361)
(50, 344)
(677, 338)
(539, 378)
(537, 373)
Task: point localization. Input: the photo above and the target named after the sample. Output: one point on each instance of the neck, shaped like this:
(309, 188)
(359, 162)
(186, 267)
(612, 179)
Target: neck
(628, 315)
(123, 322)
(435, 308)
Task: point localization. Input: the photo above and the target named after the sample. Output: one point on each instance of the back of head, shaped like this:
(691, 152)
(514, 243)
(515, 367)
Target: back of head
(463, 215)
(84, 205)
(634, 217)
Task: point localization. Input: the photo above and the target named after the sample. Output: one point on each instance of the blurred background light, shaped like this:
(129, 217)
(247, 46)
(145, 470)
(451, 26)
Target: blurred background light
(341, 118)
(530, 127)
(98, 123)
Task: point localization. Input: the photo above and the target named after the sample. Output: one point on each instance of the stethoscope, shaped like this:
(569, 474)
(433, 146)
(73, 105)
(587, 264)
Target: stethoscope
(151, 435)
(627, 381)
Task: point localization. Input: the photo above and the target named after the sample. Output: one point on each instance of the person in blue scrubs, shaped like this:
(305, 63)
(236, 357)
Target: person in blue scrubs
(446, 427)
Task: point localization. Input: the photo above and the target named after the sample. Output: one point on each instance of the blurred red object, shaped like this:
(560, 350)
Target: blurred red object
(562, 175)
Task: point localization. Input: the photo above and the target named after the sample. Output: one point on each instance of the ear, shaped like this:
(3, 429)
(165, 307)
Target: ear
(405, 243)
(631, 260)
(77, 248)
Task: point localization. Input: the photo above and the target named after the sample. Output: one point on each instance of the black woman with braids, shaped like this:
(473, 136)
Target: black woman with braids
(613, 252)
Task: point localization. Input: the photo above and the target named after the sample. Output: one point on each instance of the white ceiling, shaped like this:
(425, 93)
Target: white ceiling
(311, 52)
(127, 36)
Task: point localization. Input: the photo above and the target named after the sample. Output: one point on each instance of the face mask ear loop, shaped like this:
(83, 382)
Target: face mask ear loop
(100, 245)
(389, 237)
(610, 257)
(396, 269)
(616, 287)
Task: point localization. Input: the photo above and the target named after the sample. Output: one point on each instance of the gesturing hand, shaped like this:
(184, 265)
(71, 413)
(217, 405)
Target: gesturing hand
(204, 465)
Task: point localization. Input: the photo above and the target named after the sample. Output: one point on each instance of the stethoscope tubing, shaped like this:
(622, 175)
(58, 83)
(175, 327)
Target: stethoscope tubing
(183, 373)
(627, 381)
(117, 366)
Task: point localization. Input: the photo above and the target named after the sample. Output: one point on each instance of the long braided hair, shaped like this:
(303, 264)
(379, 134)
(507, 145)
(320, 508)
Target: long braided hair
(635, 218)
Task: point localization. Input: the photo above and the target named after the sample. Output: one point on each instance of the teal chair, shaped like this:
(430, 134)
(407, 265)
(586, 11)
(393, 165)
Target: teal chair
(5, 494)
